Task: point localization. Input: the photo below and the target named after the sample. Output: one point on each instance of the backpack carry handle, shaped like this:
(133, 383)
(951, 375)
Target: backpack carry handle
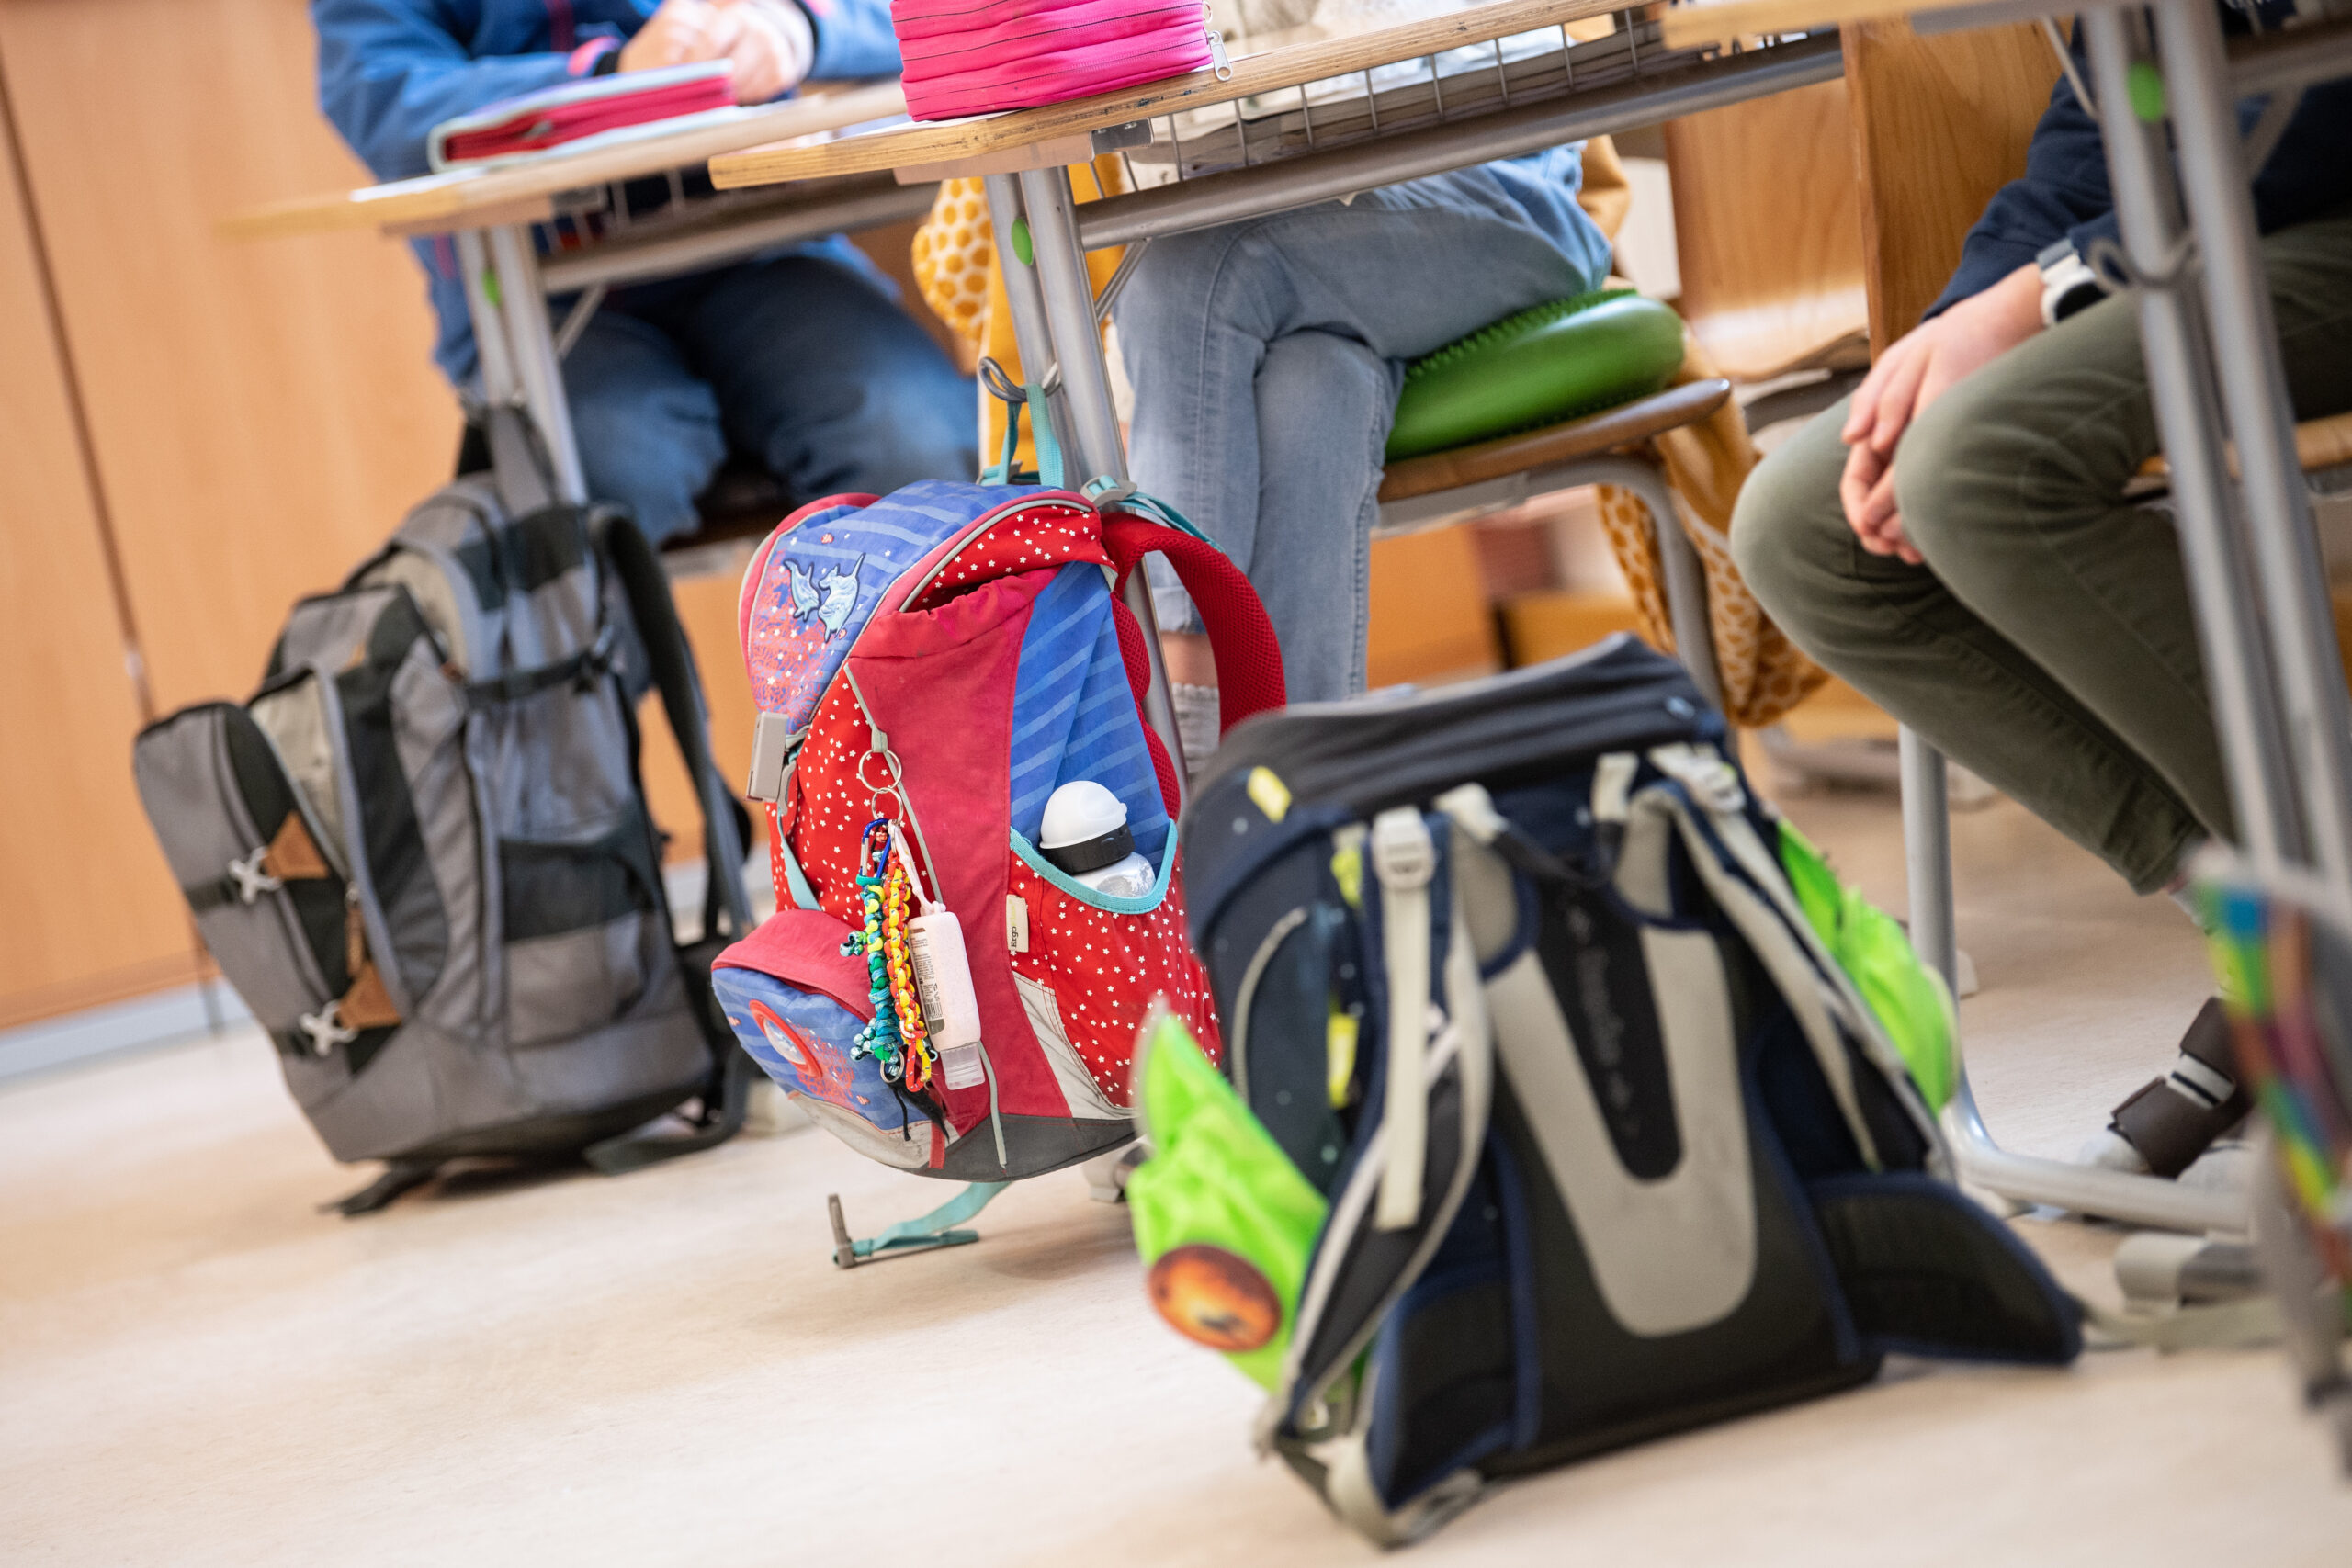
(999, 384)
(1241, 639)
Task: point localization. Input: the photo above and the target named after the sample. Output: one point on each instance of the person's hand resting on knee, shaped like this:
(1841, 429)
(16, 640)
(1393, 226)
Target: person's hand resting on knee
(769, 44)
(1923, 365)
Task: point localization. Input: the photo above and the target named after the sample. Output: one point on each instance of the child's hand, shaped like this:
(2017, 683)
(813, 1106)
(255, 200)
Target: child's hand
(771, 50)
(1920, 367)
(1866, 488)
(683, 32)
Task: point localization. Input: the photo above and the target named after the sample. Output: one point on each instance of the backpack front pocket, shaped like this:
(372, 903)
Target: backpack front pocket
(583, 924)
(266, 881)
(797, 1006)
(1089, 968)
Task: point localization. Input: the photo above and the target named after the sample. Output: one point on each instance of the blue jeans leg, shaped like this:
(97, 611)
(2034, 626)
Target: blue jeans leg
(1278, 460)
(648, 428)
(1311, 555)
(828, 379)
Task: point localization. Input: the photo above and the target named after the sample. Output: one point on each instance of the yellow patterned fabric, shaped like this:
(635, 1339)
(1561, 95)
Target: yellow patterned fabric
(956, 268)
(1764, 675)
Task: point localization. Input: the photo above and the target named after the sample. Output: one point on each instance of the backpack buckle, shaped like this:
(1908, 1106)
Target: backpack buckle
(1402, 856)
(325, 1030)
(598, 662)
(248, 881)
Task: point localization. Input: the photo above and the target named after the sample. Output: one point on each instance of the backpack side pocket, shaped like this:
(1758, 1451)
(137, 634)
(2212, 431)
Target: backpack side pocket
(797, 1004)
(265, 880)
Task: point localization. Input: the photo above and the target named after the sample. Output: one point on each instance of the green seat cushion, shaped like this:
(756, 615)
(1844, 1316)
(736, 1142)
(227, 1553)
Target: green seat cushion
(1548, 363)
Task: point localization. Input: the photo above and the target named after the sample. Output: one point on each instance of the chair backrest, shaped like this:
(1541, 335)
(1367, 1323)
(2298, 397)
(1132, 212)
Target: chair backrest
(1812, 224)
(1939, 125)
(1768, 231)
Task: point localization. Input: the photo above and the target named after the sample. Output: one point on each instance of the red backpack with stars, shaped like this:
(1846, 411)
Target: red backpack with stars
(930, 668)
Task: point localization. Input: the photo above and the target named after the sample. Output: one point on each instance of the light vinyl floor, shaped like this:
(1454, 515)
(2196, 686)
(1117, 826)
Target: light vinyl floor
(195, 1367)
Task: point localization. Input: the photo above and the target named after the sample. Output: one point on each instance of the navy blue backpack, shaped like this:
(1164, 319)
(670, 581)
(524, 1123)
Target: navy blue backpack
(1612, 1145)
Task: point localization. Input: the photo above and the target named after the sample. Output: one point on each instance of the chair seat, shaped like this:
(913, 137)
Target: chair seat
(1608, 431)
(2319, 443)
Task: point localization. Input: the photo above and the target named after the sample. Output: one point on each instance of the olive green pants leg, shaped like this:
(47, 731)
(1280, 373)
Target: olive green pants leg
(2048, 643)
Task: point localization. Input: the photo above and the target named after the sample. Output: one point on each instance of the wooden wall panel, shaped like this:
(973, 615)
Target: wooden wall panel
(1430, 617)
(262, 413)
(87, 913)
(706, 609)
(1940, 124)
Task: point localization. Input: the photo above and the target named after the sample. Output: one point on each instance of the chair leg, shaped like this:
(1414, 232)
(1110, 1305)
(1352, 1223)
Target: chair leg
(1926, 853)
(2110, 1194)
(1686, 577)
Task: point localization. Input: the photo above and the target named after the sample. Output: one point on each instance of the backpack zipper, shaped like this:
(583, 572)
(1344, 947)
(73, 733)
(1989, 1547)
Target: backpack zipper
(878, 744)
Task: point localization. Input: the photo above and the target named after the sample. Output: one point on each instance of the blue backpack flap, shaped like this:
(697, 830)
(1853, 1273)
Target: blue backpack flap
(1665, 1166)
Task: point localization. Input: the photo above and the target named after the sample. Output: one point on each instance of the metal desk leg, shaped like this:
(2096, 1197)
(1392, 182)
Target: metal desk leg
(531, 341)
(1038, 366)
(1926, 853)
(2237, 668)
(2309, 675)
(1069, 299)
(499, 386)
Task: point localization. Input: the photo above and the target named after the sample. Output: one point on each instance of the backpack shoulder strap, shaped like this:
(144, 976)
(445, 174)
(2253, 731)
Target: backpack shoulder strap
(1249, 658)
(726, 825)
(517, 467)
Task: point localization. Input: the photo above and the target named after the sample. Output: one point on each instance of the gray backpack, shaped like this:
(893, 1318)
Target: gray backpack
(422, 851)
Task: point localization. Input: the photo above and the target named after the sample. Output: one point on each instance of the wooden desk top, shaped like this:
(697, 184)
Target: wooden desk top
(464, 198)
(1290, 65)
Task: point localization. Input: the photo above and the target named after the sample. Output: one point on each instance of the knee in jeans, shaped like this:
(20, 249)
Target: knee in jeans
(656, 480)
(918, 427)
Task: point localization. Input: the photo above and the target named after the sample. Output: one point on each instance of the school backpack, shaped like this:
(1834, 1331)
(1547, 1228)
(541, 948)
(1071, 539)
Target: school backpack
(1549, 1120)
(421, 851)
(930, 668)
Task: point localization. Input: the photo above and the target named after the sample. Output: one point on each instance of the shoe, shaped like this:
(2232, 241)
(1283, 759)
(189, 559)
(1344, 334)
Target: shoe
(2165, 1127)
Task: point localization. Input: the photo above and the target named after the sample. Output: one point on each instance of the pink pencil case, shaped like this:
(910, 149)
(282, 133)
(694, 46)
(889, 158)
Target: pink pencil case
(965, 59)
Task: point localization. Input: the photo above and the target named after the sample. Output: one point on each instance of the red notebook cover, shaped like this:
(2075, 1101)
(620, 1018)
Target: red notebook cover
(537, 121)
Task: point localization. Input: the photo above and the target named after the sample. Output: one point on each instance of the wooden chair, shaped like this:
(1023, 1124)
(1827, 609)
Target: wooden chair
(1608, 447)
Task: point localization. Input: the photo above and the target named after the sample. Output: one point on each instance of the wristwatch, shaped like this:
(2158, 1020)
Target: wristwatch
(2067, 283)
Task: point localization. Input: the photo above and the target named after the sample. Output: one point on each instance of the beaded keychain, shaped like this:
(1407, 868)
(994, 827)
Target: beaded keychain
(898, 1038)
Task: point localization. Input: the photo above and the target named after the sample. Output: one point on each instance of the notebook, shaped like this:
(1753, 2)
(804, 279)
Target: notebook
(518, 127)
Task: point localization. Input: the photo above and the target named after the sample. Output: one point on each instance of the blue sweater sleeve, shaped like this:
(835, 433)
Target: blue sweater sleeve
(2063, 195)
(854, 39)
(392, 70)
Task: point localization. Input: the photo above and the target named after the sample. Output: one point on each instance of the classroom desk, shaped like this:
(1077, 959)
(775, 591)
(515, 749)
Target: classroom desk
(1308, 116)
(489, 212)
